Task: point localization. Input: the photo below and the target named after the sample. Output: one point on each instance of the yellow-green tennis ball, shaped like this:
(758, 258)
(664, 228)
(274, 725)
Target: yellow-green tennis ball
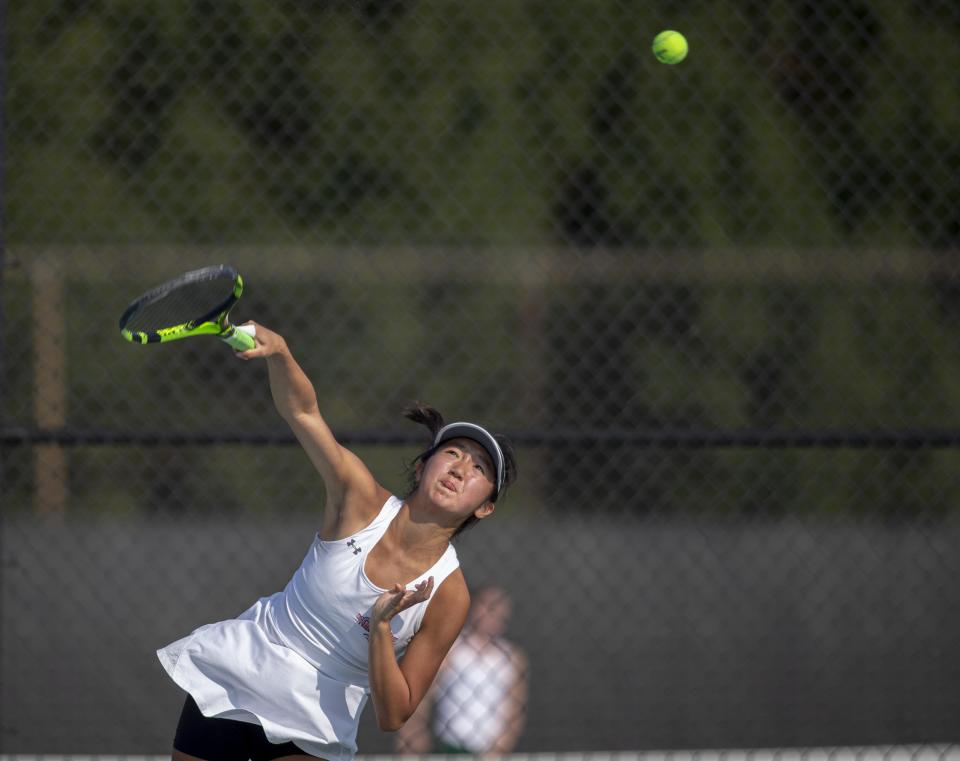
(670, 47)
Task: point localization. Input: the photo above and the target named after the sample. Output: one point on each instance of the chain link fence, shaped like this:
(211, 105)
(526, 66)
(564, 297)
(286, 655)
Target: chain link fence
(716, 306)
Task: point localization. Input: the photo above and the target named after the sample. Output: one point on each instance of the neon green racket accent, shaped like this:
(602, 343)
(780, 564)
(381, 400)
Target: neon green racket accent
(197, 303)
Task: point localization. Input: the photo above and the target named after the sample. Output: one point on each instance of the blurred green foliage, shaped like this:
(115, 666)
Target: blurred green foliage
(805, 127)
(499, 122)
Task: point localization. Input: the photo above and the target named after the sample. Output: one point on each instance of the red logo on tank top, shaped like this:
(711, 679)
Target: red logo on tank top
(364, 623)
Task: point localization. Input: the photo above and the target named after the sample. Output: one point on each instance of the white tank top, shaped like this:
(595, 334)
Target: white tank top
(296, 662)
(324, 612)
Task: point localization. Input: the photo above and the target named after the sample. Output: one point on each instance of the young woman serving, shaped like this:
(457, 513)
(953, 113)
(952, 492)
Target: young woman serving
(373, 609)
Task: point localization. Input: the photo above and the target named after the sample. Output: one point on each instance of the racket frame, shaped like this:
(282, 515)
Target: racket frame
(216, 322)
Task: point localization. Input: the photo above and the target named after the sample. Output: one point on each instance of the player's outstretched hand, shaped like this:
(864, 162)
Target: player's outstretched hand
(397, 599)
(268, 343)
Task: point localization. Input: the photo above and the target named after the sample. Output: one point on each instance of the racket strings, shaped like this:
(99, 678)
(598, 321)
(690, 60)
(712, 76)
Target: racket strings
(194, 301)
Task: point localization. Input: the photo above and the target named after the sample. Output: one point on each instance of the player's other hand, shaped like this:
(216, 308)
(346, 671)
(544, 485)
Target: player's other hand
(268, 343)
(397, 599)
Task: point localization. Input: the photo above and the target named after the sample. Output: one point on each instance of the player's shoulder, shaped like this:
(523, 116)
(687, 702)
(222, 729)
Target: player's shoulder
(354, 511)
(451, 600)
(454, 589)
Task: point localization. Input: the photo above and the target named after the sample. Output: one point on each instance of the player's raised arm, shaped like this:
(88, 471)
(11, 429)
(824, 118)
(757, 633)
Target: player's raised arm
(352, 493)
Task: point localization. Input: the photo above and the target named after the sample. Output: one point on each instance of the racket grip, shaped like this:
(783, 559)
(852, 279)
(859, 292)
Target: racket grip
(240, 338)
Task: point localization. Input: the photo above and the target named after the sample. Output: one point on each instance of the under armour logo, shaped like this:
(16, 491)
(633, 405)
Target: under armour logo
(356, 547)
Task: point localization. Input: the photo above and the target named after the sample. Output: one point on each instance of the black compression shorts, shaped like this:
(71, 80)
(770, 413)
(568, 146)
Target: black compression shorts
(225, 739)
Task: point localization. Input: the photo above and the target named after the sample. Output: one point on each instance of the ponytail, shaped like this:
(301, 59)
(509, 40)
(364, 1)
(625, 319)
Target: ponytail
(426, 415)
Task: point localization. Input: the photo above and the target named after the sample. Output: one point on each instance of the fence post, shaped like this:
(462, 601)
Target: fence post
(50, 387)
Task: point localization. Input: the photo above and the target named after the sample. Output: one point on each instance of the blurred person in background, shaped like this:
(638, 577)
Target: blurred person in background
(372, 610)
(477, 704)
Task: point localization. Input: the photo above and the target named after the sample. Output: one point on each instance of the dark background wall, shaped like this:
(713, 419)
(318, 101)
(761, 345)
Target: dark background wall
(664, 633)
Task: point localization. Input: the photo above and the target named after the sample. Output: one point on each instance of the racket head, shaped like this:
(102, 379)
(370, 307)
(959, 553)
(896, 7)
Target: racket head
(195, 303)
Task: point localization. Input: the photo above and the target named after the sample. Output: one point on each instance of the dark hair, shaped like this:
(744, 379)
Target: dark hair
(430, 417)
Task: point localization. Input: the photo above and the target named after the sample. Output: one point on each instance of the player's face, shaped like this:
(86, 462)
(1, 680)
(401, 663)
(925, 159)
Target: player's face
(459, 476)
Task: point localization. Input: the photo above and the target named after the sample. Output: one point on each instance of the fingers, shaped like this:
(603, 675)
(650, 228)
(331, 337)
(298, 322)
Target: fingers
(261, 343)
(421, 591)
(254, 353)
(399, 598)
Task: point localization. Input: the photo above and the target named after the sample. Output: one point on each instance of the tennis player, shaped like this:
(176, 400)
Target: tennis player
(373, 609)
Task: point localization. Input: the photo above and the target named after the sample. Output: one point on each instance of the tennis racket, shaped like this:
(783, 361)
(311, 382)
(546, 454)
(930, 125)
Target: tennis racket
(197, 303)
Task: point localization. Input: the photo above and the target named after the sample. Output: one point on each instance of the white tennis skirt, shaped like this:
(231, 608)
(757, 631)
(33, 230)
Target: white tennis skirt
(234, 670)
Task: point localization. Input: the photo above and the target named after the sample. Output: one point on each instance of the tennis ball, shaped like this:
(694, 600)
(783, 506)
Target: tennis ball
(670, 47)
